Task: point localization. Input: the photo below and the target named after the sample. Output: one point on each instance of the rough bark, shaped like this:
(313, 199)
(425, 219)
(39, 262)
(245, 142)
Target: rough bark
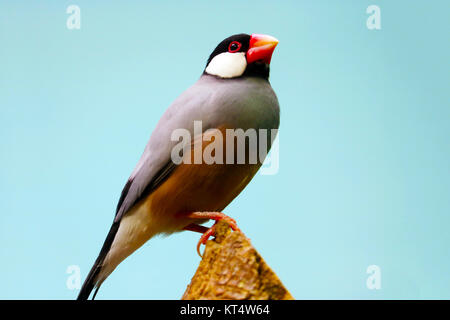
(232, 269)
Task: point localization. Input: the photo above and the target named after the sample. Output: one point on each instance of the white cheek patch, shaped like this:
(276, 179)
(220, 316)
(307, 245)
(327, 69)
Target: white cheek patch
(227, 65)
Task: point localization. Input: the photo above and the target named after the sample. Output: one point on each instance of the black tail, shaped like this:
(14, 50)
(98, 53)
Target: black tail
(91, 280)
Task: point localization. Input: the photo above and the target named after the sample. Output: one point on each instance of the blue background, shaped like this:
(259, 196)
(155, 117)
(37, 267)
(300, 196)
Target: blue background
(364, 153)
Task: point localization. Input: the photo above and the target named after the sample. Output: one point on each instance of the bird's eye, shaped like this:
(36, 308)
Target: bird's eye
(234, 46)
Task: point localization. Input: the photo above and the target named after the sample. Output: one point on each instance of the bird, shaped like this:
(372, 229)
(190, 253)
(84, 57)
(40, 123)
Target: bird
(162, 197)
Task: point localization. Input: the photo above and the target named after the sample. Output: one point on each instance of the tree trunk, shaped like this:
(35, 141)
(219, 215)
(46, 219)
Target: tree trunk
(232, 269)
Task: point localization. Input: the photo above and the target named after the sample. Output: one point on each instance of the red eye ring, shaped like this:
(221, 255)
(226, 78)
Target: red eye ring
(236, 46)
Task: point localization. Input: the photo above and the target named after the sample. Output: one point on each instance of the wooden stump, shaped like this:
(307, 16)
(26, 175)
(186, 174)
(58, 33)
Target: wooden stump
(232, 269)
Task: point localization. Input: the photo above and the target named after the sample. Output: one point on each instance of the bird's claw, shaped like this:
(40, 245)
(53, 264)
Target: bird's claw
(212, 231)
(204, 238)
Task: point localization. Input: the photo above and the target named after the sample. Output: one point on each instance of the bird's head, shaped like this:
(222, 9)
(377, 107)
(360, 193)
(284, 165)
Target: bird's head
(242, 55)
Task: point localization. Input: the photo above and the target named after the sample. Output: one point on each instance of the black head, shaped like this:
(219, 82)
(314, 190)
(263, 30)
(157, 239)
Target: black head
(242, 55)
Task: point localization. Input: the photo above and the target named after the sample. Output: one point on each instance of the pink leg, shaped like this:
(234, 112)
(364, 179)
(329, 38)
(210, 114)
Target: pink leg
(211, 231)
(195, 228)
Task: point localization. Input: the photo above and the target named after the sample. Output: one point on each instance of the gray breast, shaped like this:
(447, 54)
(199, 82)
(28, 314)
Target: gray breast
(242, 103)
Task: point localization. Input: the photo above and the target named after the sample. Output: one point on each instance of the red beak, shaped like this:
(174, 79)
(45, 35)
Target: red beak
(261, 48)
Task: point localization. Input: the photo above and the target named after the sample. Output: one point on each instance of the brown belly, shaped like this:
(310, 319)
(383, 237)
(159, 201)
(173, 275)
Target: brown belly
(199, 187)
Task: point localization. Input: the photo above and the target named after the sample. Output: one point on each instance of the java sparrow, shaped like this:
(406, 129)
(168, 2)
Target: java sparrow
(162, 197)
